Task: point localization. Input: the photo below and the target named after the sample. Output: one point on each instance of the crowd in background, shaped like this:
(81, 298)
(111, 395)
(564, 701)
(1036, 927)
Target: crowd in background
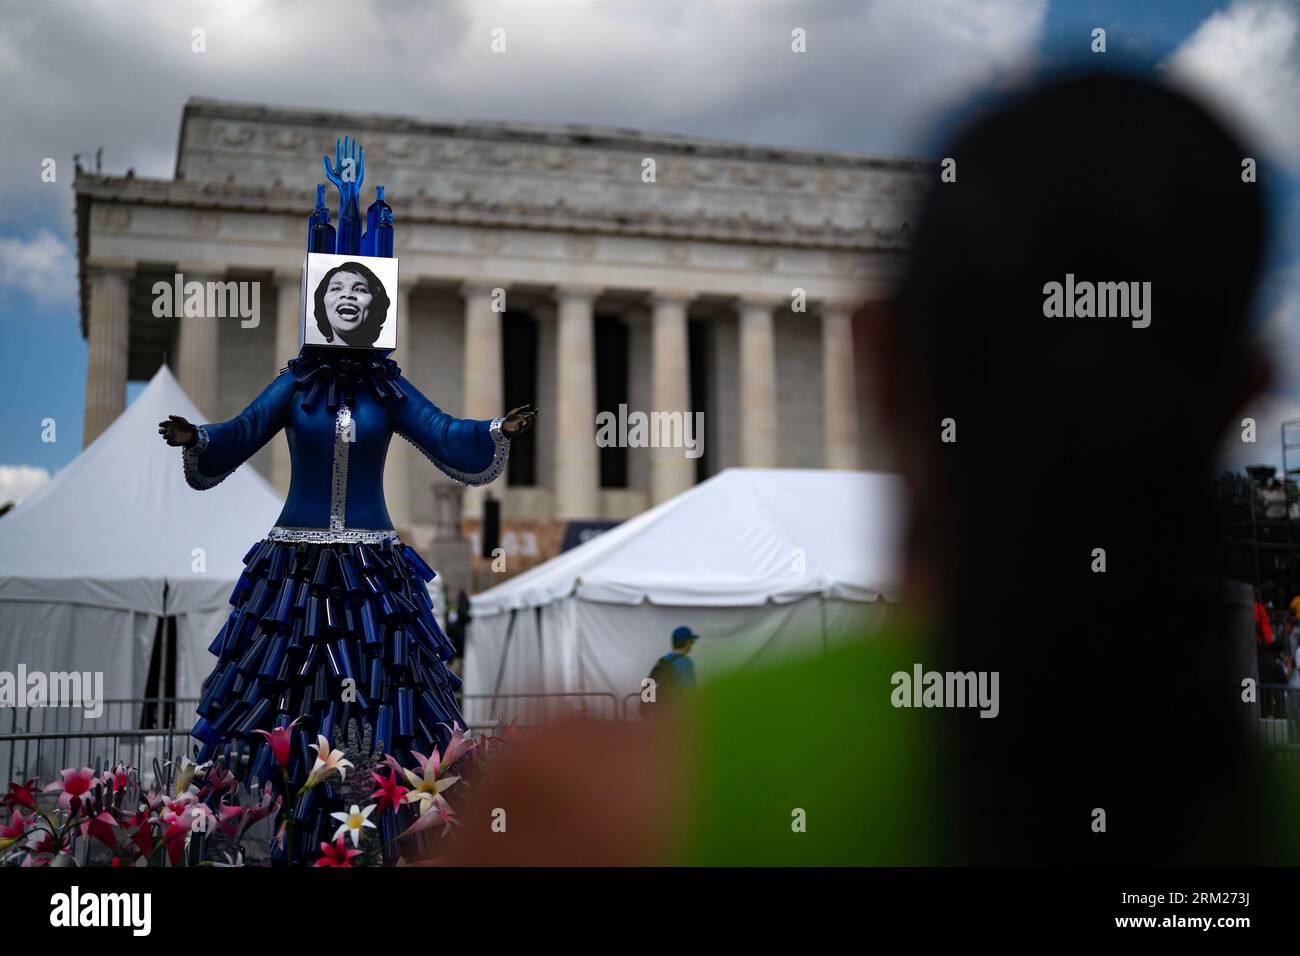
(1277, 635)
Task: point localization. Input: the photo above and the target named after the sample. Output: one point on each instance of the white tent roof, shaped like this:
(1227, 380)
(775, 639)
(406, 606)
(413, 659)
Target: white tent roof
(744, 537)
(119, 522)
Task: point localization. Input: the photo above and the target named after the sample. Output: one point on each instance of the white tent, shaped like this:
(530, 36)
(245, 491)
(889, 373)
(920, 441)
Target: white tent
(117, 540)
(760, 563)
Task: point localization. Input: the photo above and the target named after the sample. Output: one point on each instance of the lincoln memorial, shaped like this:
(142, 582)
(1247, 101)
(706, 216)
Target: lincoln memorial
(583, 269)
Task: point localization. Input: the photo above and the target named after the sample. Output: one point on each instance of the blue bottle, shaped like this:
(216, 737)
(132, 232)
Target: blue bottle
(374, 215)
(320, 234)
(348, 241)
(383, 241)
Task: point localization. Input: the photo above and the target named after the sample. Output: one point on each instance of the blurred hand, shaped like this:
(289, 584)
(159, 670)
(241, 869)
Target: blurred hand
(178, 431)
(519, 420)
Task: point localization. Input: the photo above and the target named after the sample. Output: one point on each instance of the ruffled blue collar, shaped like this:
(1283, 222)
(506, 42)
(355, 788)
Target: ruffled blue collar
(338, 374)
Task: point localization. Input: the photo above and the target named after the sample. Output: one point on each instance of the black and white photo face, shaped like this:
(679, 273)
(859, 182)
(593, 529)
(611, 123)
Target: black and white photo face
(349, 302)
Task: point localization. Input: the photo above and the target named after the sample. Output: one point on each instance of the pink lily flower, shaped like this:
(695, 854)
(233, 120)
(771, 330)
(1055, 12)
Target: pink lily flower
(440, 813)
(337, 855)
(21, 794)
(178, 805)
(268, 805)
(202, 819)
(424, 761)
(117, 778)
(280, 739)
(174, 839)
(101, 828)
(41, 840)
(231, 818)
(153, 800)
(14, 831)
(74, 786)
(219, 779)
(142, 837)
(390, 792)
(458, 746)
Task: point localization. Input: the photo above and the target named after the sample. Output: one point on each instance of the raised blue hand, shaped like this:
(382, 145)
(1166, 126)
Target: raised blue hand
(346, 149)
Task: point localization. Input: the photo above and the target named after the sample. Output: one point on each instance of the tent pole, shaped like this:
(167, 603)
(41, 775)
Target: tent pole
(821, 608)
(501, 667)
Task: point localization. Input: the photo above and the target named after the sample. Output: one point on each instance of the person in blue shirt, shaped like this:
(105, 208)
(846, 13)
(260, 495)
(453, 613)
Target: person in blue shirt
(674, 672)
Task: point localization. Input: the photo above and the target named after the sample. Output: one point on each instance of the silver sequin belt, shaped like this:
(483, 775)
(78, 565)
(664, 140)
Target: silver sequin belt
(332, 535)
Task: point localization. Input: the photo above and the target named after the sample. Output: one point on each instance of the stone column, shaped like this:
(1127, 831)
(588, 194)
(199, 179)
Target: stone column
(482, 368)
(757, 383)
(108, 341)
(671, 472)
(288, 289)
(397, 469)
(196, 360)
(577, 468)
(839, 388)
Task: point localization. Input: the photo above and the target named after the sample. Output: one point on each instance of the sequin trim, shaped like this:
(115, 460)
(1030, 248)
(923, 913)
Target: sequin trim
(190, 463)
(332, 536)
(488, 474)
(343, 435)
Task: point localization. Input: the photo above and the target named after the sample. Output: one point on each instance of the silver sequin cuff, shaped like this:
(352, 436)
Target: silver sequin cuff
(488, 474)
(190, 462)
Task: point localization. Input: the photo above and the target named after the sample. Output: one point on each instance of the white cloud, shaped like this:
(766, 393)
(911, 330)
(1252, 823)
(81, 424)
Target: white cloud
(1246, 61)
(19, 481)
(1280, 337)
(42, 267)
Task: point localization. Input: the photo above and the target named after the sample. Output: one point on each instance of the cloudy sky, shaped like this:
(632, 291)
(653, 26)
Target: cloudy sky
(88, 74)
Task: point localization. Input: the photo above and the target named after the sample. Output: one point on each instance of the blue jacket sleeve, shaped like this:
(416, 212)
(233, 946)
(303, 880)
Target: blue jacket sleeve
(472, 451)
(223, 447)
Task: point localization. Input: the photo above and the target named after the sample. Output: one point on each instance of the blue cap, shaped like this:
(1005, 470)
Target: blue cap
(684, 635)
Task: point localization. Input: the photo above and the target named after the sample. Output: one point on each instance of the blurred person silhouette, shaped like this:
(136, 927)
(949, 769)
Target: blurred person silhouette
(1095, 176)
(674, 673)
(1273, 675)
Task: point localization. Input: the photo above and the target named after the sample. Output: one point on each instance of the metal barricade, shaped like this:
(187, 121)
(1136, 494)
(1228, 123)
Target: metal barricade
(43, 756)
(121, 716)
(542, 707)
(1279, 716)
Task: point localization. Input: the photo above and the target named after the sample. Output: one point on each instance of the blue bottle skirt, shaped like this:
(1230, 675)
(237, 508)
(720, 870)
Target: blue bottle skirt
(331, 632)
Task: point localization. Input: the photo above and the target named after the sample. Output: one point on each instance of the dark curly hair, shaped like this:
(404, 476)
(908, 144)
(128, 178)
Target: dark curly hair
(365, 335)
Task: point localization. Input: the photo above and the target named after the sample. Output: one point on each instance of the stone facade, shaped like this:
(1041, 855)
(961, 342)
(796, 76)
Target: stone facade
(695, 270)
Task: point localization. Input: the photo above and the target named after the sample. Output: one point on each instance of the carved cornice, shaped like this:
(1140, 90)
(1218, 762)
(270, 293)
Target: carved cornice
(557, 216)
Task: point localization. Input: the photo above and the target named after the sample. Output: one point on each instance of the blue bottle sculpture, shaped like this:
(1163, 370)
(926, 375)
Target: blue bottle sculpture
(346, 174)
(320, 234)
(383, 241)
(374, 217)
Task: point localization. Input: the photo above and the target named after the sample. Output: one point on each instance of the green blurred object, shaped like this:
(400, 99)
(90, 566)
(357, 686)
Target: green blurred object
(819, 736)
